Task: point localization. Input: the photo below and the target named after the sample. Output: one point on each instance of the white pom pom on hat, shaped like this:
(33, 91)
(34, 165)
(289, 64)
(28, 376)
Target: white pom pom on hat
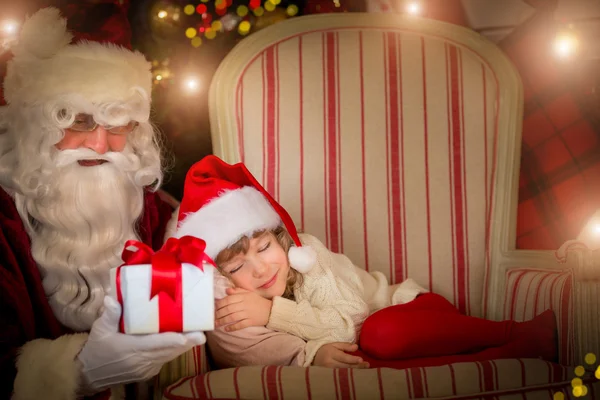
(223, 203)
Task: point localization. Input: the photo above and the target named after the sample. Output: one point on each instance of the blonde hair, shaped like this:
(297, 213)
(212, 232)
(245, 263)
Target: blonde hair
(294, 279)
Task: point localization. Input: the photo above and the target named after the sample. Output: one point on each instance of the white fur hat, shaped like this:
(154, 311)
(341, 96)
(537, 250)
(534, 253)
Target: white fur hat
(223, 203)
(46, 65)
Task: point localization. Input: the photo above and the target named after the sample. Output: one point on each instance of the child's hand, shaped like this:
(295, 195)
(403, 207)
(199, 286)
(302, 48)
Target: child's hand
(242, 309)
(334, 355)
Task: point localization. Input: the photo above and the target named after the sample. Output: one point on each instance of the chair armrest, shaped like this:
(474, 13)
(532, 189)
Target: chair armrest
(585, 264)
(530, 291)
(497, 378)
(192, 363)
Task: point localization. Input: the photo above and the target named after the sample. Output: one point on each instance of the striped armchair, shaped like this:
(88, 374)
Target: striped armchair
(396, 141)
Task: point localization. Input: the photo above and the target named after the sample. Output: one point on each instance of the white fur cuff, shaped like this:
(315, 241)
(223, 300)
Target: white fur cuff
(48, 369)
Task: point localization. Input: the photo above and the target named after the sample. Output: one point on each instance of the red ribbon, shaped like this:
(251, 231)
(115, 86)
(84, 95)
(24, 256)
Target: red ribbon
(166, 275)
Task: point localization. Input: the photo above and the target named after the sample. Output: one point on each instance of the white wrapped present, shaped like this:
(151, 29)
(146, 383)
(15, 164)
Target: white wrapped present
(165, 294)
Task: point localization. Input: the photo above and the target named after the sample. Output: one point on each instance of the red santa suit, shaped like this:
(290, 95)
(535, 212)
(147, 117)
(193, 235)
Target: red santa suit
(25, 313)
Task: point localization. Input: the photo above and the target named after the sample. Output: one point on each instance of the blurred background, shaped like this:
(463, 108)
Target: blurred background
(553, 43)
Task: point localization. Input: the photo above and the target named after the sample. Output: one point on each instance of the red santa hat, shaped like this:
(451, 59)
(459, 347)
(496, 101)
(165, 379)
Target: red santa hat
(49, 61)
(223, 203)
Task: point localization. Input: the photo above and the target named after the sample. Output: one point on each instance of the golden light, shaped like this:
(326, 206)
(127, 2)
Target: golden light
(276, 2)
(579, 370)
(197, 41)
(244, 28)
(576, 382)
(590, 359)
(189, 9)
(191, 85)
(413, 8)
(159, 77)
(269, 6)
(259, 11)
(566, 45)
(10, 27)
(559, 396)
(191, 33)
(162, 14)
(176, 16)
(292, 10)
(210, 33)
(597, 373)
(216, 25)
(242, 11)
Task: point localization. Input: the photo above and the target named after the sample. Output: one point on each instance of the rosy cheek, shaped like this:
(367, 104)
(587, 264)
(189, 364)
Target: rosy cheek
(118, 142)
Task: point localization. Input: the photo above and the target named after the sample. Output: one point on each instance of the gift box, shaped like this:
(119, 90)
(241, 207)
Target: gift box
(167, 291)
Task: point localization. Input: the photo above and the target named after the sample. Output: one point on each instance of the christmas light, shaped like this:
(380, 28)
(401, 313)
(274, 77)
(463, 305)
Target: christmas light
(191, 85)
(413, 8)
(159, 77)
(269, 6)
(242, 11)
(292, 10)
(190, 33)
(258, 11)
(10, 27)
(189, 9)
(565, 44)
(244, 28)
(210, 33)
(216, 26)
(197, 41)
(162, 14)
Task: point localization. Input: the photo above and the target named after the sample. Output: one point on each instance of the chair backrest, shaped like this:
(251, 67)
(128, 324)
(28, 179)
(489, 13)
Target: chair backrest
(393, 139)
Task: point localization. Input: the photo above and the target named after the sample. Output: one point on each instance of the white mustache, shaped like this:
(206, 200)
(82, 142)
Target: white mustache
(125, 160)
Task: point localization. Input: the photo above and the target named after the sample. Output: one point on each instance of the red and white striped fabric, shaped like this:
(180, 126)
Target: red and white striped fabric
(500, 379)
(531, 291)
(382, 143)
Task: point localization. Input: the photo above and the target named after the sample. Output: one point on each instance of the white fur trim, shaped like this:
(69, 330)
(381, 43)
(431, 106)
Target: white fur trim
(226, 219)
(48, 368)
(46, 66)
(302, 259)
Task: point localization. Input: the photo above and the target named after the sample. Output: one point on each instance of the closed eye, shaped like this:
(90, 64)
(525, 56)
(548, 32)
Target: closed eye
(265, 247)
(233, 271)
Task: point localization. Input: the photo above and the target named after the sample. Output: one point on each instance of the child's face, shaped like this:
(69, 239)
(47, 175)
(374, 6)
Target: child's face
(263, 269)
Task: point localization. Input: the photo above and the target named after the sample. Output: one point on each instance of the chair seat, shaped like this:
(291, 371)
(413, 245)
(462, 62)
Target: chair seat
(498, 379)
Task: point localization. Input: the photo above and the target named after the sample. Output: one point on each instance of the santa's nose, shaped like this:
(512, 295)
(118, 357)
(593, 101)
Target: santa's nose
(97, 140)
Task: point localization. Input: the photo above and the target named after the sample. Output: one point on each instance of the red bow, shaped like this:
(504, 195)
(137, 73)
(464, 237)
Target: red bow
(166, 274)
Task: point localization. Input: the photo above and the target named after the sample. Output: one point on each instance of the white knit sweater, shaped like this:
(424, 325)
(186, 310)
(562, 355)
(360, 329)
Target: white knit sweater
(334, 300)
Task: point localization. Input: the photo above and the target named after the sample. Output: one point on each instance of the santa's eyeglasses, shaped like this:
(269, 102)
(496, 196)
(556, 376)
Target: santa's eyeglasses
(86, 123)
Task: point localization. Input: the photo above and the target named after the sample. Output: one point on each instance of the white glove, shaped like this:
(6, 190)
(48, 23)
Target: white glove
(111, 358)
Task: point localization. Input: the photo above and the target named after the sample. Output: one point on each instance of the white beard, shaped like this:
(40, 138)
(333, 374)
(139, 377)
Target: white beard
(80, 228)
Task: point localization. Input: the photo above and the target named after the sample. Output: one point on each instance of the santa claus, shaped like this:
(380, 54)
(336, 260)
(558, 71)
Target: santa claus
(79, 169)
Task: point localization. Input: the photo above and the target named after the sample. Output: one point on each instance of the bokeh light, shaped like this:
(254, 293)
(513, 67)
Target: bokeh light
(269, 6)
(189, 9)
(10, 27)
(191, 85)
(210, 33)
(566, 45)
(197, 41)
(191, 33)
(413, 8)
(559, 396)
(244, 28)
(242, 11)
(579, 370)
(258, 11)
(216, 26)
(162, 14)
(201, 9)
(292, 10)
(590, 359)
